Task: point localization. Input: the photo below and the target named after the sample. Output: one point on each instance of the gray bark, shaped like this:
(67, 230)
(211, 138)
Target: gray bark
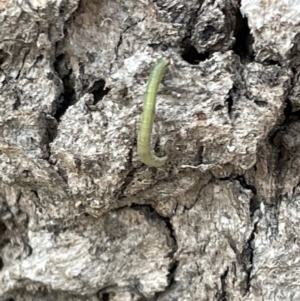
(82, 218)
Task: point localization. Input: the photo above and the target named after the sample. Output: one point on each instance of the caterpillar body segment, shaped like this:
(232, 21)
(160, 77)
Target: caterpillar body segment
(146, 155)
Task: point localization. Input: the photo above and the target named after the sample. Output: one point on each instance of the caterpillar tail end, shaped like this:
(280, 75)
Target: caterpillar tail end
(153, 160)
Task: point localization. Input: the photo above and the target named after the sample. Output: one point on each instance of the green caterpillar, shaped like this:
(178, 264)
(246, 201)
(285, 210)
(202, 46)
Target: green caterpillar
(144, 136)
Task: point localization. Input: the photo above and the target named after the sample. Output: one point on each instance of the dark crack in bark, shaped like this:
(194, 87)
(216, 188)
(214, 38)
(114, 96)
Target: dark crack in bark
(68, 97)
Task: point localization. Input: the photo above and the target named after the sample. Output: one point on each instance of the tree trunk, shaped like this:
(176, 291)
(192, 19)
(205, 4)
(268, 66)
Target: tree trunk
(82, 218)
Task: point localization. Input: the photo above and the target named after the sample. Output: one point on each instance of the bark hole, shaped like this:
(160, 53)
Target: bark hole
(99, 90)
(192, 56)
(244, 40)
(68, 97)
(1, 264)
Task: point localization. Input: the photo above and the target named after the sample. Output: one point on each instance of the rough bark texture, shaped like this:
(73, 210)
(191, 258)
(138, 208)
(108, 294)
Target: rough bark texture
(82, 218)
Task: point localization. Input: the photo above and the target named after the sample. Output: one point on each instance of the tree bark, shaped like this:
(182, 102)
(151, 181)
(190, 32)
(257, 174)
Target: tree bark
(82, 218)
